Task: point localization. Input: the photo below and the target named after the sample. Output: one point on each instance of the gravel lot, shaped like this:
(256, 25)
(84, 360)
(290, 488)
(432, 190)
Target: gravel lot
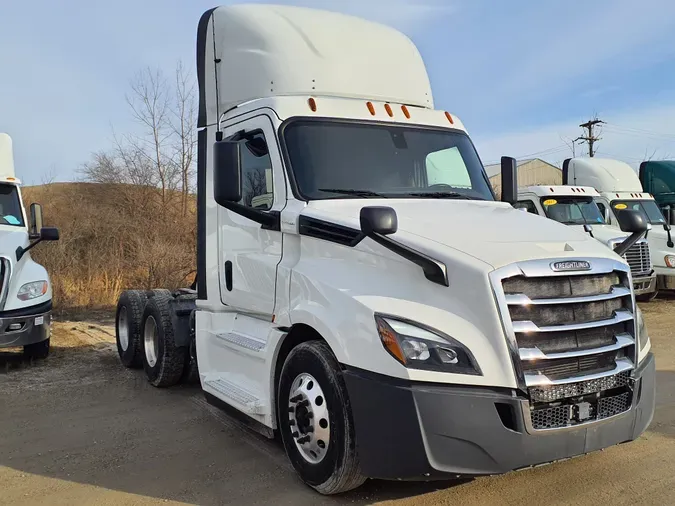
(79, 428)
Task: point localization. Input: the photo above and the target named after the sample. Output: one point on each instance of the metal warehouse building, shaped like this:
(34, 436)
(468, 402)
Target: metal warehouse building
(533, 171)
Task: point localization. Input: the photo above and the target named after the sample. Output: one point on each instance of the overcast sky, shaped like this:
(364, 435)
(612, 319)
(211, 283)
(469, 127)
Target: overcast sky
(522, 74)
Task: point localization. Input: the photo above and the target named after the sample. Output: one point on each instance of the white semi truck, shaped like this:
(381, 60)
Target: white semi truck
(576, 206)
(620, 188)
(25, 288)
(360, 292)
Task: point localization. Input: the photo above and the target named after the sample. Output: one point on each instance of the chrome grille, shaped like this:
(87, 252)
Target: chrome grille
(5, 271)
(571, 334)
(637, 257)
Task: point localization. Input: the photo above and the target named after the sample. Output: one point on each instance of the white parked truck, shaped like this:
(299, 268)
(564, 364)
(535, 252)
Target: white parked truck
(620, 188)
(378, 309)
(576, 206)
(25, 289)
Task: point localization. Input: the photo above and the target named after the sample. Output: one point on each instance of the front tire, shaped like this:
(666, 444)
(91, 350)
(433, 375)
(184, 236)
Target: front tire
(647, 297)
(128, 328)
(36, 351)
(163, 361)
(313, 405)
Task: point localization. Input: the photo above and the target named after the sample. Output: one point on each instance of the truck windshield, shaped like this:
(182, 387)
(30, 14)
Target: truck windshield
(573, 210)
(331, 159)
(648, 207)
(10, 206)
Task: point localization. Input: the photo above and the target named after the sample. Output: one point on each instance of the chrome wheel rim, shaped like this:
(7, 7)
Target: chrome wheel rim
(123, 328)
(308, 418)
(150, 341)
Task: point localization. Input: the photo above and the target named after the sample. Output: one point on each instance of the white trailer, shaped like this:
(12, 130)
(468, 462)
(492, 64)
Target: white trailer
(576, 206)
(25, 288)
(359, 290)
(620, 188)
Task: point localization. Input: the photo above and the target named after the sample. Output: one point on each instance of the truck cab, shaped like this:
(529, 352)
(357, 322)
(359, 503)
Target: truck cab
(361, 293)
(576, 206)
(25, 288)
(658, 178)
(620, 188)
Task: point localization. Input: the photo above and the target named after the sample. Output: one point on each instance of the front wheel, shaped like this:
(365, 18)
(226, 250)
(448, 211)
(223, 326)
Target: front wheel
(315, 420)
(36, 351)
(647, 297)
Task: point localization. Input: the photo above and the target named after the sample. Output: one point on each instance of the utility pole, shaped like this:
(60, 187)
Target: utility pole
(589, 138)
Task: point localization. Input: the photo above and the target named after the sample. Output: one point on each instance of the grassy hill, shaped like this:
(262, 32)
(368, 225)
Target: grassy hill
(113, 237)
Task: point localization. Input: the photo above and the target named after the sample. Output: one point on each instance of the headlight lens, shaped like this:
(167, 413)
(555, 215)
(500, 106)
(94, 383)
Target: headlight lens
(670, 260)
(419, 347)
(32, 290)
(643, 335)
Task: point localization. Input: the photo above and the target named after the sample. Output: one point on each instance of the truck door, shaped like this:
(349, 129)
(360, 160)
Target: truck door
(249, 253)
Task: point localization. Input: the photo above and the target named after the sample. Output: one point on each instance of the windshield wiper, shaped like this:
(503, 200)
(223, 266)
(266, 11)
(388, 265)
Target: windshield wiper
(357, 193)
(443, 195)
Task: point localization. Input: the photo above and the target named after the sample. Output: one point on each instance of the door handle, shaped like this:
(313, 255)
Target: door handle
(228, 275)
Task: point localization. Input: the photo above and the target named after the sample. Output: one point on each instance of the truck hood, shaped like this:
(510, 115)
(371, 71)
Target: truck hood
(493, 232)
(603, 233)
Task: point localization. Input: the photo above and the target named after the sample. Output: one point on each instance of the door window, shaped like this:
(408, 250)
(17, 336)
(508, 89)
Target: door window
(526, 205)
(256, 172)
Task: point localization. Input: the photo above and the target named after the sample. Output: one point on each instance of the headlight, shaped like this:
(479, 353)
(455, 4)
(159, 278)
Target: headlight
(32, 290)
(419, 347)
(643, 335)
(670, 260)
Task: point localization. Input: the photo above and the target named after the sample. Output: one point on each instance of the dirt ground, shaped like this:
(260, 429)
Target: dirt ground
(79, 428)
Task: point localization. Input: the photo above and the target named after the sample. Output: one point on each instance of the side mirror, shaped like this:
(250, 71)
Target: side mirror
(35, 221)
(588, 229)
(227, 172)
(49, 234)
(509, 180)
(634, 222)
(378, 220)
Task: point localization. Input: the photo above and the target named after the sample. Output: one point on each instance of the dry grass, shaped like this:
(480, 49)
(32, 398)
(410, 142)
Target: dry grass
(113, 237)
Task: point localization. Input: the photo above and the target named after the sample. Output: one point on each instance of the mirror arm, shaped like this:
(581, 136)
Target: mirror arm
(667, 227)
(20, 252)
(270, 220)
(434, 271)
(628, 242)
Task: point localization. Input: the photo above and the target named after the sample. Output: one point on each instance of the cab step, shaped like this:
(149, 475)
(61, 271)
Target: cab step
(247, 401)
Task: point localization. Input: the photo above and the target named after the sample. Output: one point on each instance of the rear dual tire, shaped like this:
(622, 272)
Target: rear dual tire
(128, 327)
(163, 361)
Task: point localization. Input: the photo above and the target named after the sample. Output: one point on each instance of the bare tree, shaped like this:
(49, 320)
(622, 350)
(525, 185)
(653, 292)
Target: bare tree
(184, 128)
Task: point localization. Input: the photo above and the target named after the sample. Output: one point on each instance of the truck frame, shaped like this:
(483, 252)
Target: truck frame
(360, 292)
(25, 286)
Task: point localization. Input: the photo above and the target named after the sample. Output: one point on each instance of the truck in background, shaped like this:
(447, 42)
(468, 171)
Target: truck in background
(25, 288)
(620, 188)
(360, 292)
(658, 178)
(576, 207)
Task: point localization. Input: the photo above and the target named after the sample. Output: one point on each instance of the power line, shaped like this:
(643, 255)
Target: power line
(589, 138)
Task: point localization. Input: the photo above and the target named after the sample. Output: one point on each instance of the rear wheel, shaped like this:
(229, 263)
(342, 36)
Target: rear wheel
(162, 360)
(315, 420)
(128, 327)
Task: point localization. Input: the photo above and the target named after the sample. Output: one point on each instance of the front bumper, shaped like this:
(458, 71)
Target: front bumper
(25, 326)
(414, 431)
(645, 284)
(665, 278)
